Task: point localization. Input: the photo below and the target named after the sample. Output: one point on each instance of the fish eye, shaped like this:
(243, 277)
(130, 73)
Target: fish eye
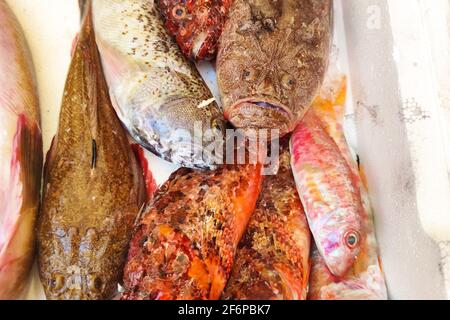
(179, 12)
(250, 74)
(288, 81)
(95, 283)
(351, 239)
(57, 282)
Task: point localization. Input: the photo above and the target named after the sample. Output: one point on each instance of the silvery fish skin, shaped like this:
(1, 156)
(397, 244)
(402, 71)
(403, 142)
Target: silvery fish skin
(93, 187)
(329, 193)
(271, 61)
(20, 156)
(365, 280)
(157, 93)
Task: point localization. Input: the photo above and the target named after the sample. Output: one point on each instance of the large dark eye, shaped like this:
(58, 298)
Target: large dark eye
(57, 282)
(250, 74)
(288, 81)
(351, 239)
(179, 12)
(95, 283)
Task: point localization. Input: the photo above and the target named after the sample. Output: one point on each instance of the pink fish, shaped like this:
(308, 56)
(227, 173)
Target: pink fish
(365, 280)
(329, 193)
(20, 156)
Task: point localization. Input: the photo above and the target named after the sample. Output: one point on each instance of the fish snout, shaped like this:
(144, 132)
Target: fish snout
(184, 131)
(76, 286)
(267, 87)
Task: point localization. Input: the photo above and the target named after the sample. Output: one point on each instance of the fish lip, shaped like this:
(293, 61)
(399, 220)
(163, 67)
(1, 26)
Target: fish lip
(340, 270)
(232, 112)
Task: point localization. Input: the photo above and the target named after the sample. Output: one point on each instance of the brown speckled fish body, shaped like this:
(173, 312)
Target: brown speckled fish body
(20, 156)
(92, 187)
(272, 261)
(185, 245)
(272, 59)
(157, 93)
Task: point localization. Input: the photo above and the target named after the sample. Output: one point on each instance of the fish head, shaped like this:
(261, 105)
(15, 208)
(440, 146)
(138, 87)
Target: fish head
(79, 270)
(196, 25)
(268, 74)
(339, 240)
(173, 121)
(74, 284)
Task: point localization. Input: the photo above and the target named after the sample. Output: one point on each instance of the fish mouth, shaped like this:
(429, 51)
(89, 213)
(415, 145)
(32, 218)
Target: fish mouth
(260, 113)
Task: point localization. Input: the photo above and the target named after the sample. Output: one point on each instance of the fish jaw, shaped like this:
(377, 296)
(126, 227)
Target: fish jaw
(332, 239)
(276, 49)
(260, 113)
(175, 128)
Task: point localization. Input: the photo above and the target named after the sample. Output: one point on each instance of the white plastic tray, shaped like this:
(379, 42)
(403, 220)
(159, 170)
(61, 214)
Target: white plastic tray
(395, 120)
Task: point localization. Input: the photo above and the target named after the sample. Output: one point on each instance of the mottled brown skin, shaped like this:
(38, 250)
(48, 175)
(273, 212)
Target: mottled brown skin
(272, 261)
(92, 191)
(272, 58)
(185, 245)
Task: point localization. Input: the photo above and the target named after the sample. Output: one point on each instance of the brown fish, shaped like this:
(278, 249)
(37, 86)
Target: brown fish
(92, 189)
(20, 156)
(185, 245)
(272, 261)
(272, 60)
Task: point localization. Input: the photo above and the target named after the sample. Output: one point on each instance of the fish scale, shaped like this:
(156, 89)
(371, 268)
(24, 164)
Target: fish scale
(20, 156)
(93, 187)
(272, 260)
(155, 90)
(365, 280)
(185, 244)
(329, 193)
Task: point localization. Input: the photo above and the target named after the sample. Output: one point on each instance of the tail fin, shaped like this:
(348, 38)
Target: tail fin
(83, 7)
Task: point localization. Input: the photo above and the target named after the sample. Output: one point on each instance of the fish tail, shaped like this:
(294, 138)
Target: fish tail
(83, 4)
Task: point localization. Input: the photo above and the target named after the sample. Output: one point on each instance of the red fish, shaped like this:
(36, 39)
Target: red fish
(20, 156)
(195, 24)
(329, 194)
(272, 262)
(365, 279)
(150, 183)
(184, 246)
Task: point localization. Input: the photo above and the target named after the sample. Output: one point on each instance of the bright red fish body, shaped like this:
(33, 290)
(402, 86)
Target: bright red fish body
(196, 25)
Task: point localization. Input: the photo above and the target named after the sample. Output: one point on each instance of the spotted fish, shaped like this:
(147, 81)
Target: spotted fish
(157, 93)
(271, 61)
(93, 187)
(272, 261)
(184, 246)
(196, 24)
